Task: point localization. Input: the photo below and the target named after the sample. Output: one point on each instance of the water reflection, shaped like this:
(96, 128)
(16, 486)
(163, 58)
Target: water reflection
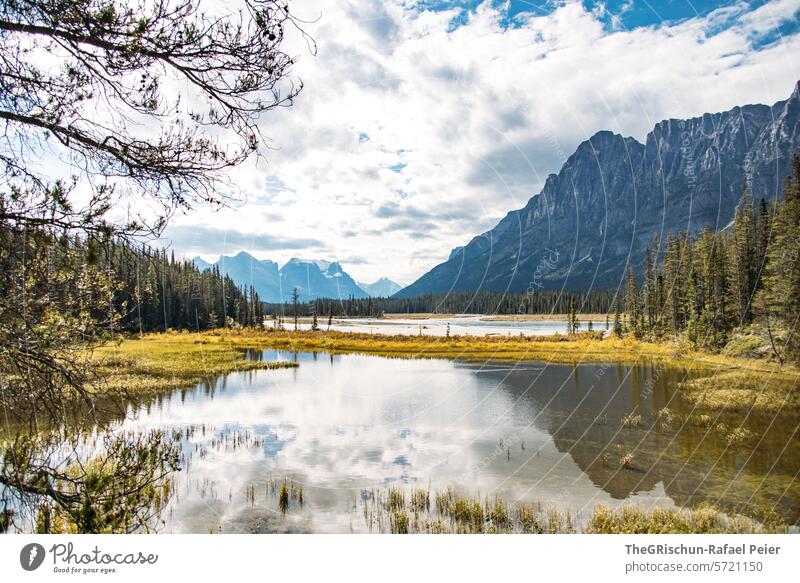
(339, 425)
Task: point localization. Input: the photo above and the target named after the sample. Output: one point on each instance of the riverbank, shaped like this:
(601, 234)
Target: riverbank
(157, 362)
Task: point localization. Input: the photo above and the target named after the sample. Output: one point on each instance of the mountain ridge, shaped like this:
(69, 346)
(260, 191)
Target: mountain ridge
(614, 194)
(313, 278)
(381, 288)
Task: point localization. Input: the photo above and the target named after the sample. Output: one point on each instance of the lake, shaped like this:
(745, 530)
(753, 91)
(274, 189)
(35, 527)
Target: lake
(343, 426)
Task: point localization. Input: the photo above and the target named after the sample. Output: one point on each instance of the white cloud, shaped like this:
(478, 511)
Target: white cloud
(478, 116)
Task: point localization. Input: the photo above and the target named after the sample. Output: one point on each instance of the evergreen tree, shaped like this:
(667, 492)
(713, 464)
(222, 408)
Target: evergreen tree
(631, 302)
(743, 264)
(295, 301)
(782, 282)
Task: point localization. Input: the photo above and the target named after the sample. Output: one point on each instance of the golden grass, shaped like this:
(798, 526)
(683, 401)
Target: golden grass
(556, 348)
(162, 362)
(743, 391)
(582, 348)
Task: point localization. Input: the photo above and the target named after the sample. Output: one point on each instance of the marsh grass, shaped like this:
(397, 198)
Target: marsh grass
(288, 492)
(392, 511)
(395, 500)
(420, 500)
(626, 461)
(161, 362)
(457, 514)
(283, 498)
(701, 520)
(743, 391)
(582, 347)
(632, 420)
(664, 419)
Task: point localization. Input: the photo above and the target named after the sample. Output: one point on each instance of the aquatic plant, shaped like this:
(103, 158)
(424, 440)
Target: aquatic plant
(420, 500)
(632, 420)
(399, 522)
(626, 461)
(283, 498)
(395, 499)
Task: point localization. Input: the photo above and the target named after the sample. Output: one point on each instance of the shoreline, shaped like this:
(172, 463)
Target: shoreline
(163, 361)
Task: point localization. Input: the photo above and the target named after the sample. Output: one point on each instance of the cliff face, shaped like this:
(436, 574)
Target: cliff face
(614, 194)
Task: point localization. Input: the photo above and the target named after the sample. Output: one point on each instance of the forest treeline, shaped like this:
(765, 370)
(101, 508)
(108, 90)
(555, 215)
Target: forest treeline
(540, 302)
(710, 286)
(114, 286)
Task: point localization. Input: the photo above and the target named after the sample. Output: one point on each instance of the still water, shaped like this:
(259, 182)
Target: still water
(344, 425)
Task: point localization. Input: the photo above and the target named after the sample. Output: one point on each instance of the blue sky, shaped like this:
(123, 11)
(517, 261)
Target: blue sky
(423, 123)
(627, 14)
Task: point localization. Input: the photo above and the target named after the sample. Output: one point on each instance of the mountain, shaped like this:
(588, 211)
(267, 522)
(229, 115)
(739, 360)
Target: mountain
(615, 194)
(383, 288)
(245, 269)
(201, 263)
(318, 279)
(313, 279)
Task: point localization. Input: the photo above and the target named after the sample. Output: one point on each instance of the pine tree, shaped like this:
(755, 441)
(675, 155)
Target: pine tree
(295, 301)
(743, 259)
(632, 302)
(617, 317)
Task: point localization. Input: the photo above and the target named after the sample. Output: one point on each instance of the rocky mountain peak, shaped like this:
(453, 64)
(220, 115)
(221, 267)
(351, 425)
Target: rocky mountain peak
(614, 194)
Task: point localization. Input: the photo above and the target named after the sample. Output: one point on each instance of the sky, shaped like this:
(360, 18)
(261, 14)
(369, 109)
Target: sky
(422, 123)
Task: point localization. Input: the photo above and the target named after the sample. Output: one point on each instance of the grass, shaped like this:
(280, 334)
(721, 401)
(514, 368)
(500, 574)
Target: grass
(163, 362)
(743, 391)
(701, 520)
(387, 511)
(558, 348)
(288, 492)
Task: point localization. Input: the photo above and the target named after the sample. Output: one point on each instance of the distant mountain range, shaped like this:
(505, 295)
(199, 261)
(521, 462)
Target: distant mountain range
(614, 194)
(312, 278)
(383, 288)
